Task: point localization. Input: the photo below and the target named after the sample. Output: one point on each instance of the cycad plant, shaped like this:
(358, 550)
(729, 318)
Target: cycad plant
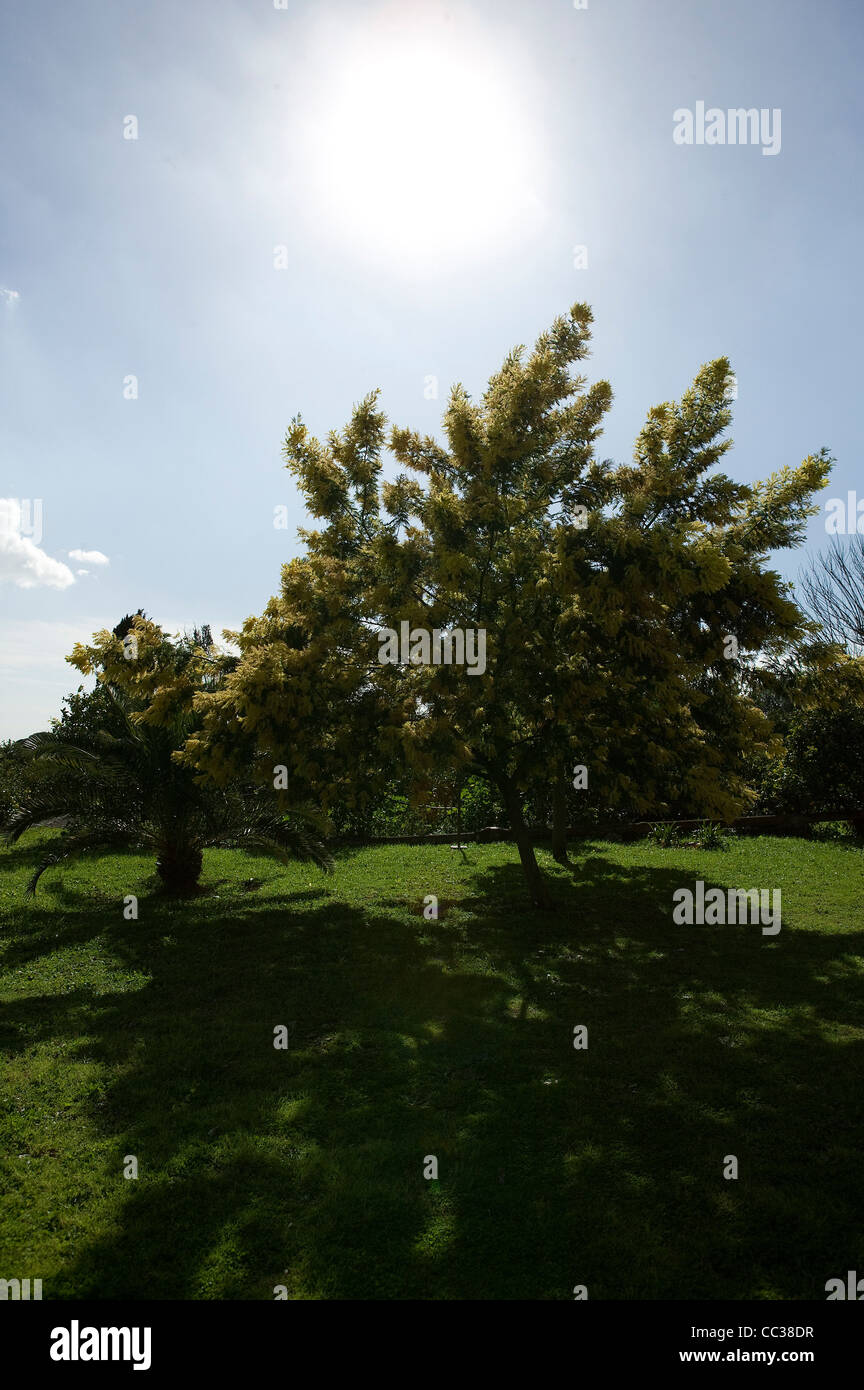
(125, 789)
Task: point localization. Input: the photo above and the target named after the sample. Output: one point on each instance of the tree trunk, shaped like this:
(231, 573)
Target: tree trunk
(559, 822)
(179, 867)
(533, 875)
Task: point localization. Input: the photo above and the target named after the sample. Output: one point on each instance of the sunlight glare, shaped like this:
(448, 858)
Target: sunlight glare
(419, 149)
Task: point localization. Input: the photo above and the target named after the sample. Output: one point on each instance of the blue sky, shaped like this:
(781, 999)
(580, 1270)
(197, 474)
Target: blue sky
(428, 170)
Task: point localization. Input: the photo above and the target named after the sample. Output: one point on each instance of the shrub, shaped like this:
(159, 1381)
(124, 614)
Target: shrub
(664, 835)
(836, 831)
(710, 835)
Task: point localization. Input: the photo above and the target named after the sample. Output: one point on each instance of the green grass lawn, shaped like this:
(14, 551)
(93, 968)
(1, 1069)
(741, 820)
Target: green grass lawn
(304, 1167)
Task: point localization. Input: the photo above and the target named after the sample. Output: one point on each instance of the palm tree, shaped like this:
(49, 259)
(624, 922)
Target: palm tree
(126, 789)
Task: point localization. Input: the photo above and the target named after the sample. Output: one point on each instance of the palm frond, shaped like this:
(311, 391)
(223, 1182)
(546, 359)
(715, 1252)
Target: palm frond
(283, 837)
(85, 804)
(50, 746)
(51, 752)
(77, 842)
(123, 786)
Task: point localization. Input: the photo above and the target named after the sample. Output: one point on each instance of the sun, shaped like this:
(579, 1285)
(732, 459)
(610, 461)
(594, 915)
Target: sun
(418, 146)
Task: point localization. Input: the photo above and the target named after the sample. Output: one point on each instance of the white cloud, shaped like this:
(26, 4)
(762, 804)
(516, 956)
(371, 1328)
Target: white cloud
(11, 296)
(82, 571)
(89, 557)
(21, 561)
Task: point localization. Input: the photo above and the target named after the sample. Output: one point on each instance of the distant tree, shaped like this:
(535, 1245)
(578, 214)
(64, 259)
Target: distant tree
(127, 623)
(84, 714)
(821, 770)
(817, 706)
(832, 593)
(14, 760)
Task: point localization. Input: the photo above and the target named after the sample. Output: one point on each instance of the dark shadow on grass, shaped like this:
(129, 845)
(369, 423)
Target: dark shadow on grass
(406, 1037)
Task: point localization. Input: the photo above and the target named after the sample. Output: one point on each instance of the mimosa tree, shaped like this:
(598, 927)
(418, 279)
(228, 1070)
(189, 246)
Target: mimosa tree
(616, 603)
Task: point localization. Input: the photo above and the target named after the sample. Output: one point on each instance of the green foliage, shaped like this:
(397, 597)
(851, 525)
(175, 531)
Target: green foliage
(664, 835)
(122, 785)
(823, 763)
(12, 775)
(605, 642)
(87, 714)
(480, 806)
(20, 775)
(842, 832)
(706, 835)
(397, 812)
(818, 747)
(710, 835)
(820, 767)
